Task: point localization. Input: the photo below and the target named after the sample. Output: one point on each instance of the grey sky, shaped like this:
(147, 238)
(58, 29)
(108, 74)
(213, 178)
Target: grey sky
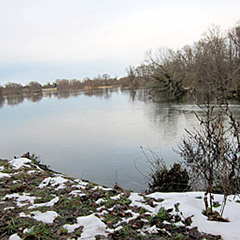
(49, 39)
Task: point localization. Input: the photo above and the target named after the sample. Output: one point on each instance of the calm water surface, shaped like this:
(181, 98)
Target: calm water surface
(95, 136)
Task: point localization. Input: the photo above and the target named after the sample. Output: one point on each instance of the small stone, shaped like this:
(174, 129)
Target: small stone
(194, 233)
(121, 214)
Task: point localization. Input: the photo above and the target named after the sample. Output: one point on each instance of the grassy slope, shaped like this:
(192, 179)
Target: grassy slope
(72, 199)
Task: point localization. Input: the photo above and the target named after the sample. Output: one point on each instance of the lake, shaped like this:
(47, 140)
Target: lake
(96, 135)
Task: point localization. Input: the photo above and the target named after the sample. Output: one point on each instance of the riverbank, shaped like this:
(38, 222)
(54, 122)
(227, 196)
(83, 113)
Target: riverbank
(37, 203)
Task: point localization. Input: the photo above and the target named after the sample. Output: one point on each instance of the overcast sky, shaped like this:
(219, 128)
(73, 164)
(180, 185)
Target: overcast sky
(42, 40)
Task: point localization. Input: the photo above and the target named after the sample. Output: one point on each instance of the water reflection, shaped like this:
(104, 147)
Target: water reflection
(141, 94)
(34, 97)
(167, 116)
(2, 101)
(105, 93)
(95, 134)
(14, 99)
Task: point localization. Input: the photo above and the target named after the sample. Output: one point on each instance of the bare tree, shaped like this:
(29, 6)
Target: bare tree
(212, 153)
(165, 79)
(13, 88)
(33, 87)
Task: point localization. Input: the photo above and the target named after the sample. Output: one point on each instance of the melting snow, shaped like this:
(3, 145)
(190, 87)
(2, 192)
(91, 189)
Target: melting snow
(80, 184)
(2, 175)
(77, 193)
(134, 216)
(14, 237)
(47, 217)
(20, 162)
(137, 201)
(116, 197)
(47, 204)
(92, 226)
(152, 229)
(54, 181)
(190, 204)
(99, 201)
(8, 208)
(103, 188)
(21, 199)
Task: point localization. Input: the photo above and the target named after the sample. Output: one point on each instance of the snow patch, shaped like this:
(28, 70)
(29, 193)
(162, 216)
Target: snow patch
(47, 217)
(102, 188)
(3, 175)
(114, 230)
(28, 230)
(14, 237)
(47, 204)
(80, 184)
(134, 216)
(99, 201)
(77, 193)
(138, 201)
(54, 181)
(152, 229)
(190, 204)
(22, 200)
(92, 226)
(117, 197)
(8, 208)
(20, 162)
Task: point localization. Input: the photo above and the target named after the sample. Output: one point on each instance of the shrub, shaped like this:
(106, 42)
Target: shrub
(173, 180)
(212, 152)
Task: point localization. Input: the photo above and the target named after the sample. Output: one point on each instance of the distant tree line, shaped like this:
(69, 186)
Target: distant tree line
(18, 89)
(65, 85)
(211, 63)
(60, 85)
(87, 84)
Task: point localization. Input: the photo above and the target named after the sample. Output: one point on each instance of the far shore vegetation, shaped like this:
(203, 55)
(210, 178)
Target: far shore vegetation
(212, 63)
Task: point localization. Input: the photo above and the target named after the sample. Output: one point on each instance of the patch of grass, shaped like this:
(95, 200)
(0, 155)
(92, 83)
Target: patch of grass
(142, 210)
(20, 176)
(216, 204)
(109, 194)
(75, 206)
(65, 202)
(63, 230)
(14, 224)
(161, 216)
(126, 232)
(124, 201)
(109, 203)
(7, 167)
(43, 196)
(40, 209)
(90, 185)
(180, 236)
(110, 218)
(77, 233)
(19, 187)
(39, 231)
